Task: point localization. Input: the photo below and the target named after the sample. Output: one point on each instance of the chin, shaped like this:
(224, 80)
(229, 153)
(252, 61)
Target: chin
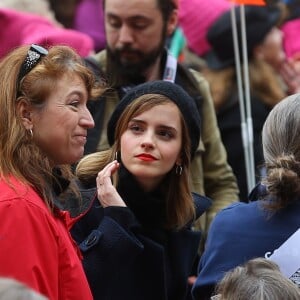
(146, 175)
(74, 158)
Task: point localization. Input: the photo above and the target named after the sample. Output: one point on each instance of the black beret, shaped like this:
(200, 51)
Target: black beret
(259, 21)
(175, 93)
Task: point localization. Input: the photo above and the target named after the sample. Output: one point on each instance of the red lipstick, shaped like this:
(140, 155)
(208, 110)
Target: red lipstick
(146, 157)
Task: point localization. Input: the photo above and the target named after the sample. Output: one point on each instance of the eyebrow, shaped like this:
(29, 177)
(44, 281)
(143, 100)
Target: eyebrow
(159, 125)
(131, 18)
(77, 92)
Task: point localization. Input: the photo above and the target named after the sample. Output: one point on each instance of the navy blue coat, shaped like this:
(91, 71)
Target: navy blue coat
(239, 233)
(124, 259)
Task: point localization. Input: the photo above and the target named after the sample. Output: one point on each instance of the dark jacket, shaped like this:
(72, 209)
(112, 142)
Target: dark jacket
(229, 121)
(239, 233)
(128, 254)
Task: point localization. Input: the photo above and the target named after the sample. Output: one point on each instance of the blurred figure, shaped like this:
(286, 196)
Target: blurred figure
(244, 231)
(64, 11)
(293, 7)
(195, 17)
(291, 70)
(89, 19)
(20, 28)
(38, 7)
(257, 279)
(11, 289)
(85, 16)
(265, 57)
(43, 129)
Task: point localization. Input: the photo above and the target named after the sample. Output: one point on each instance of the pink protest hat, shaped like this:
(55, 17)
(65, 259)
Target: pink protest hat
(20, 28)
(195, 17)
(291, 42)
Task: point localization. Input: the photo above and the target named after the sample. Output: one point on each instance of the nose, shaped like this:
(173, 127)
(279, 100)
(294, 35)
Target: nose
(147, 146)
(86, 119)
(125, 35)
(148, 142)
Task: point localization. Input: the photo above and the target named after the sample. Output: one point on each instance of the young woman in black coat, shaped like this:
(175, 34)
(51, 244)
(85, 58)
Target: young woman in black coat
(137, 238)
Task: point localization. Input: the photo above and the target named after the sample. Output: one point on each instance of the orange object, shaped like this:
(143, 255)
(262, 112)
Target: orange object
(249, 2)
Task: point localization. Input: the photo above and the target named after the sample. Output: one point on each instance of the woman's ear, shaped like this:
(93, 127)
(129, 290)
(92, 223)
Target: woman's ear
(24, 112)
(179, 161)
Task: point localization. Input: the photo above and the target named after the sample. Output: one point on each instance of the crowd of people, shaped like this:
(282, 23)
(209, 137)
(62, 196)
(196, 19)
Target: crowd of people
(123, 171)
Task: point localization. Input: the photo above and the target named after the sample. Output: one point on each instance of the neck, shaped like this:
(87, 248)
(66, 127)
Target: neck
(148, 184)
(154, 71)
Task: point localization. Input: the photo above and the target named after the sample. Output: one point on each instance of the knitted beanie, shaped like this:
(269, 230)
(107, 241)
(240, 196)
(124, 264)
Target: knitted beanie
(259, 22)
(175, 93)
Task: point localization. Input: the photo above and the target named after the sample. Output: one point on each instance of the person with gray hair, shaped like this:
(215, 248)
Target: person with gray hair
(257, 279)
(243, 231)
(11, 289)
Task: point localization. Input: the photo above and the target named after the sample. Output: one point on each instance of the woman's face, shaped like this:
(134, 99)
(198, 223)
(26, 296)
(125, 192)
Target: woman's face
(151, 144)
(60, 128)
(271, 49)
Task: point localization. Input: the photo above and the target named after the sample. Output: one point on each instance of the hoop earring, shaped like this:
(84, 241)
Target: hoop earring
(116, 156)
(178, 170)
(31, 132)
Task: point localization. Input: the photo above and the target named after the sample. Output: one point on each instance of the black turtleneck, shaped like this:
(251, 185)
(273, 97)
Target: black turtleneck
(148, 207)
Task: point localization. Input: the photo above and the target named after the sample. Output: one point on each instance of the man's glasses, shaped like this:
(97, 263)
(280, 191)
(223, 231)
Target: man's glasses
(34, 54)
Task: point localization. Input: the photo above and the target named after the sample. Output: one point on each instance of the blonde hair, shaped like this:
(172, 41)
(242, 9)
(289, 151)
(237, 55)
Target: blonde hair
(257, 279)
(180, 205)
(19, 156)
(281, 147)
(222, 82)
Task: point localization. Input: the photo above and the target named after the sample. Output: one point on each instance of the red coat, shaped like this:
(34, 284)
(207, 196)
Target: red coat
(36, 247)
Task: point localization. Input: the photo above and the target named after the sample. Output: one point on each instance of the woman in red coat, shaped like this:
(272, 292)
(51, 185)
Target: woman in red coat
(44, 122)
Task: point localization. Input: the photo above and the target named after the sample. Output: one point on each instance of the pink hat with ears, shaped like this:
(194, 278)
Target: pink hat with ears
(195, 17)
(20, 28)
(291, 42)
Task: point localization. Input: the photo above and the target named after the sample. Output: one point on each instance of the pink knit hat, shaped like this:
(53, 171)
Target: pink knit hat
(291, 42)
(19, 28)
(195, 17)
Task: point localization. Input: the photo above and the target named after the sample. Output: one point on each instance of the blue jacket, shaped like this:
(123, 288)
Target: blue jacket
(240, 232)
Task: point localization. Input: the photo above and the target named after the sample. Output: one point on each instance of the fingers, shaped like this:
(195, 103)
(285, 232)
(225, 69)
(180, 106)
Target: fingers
(291, 77)
(287, 71)
(107, 194)
(104, 176)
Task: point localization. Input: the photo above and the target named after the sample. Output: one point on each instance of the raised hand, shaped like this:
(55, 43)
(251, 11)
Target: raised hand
(107, 193)
(290, 72)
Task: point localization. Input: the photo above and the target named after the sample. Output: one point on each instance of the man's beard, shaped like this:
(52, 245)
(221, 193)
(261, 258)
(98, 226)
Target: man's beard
(126, 72)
